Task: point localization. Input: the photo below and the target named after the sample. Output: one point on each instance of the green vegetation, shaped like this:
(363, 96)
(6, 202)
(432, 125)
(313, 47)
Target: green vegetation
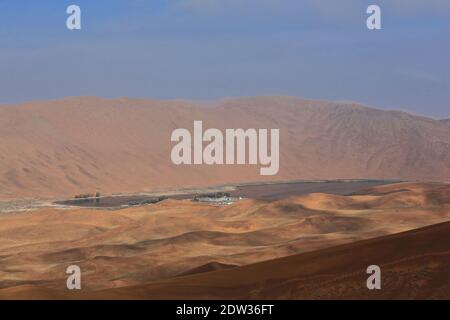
(84, 196)
(88, 195)
(162, 198)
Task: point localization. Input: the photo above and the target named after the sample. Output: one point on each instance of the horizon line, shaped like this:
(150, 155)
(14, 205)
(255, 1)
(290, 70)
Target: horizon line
(218, 100)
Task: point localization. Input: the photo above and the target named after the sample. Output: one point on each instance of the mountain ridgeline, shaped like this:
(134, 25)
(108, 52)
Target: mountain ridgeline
(74, 145)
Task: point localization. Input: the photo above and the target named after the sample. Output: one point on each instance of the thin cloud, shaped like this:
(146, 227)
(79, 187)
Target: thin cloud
(324, 7)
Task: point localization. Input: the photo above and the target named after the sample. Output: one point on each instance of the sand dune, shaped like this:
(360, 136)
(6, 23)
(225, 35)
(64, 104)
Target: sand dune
(209, 267)
(77, 145)
(149, 244)
(414, 265)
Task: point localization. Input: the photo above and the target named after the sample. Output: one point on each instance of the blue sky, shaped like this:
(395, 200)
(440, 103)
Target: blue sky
(208, 49)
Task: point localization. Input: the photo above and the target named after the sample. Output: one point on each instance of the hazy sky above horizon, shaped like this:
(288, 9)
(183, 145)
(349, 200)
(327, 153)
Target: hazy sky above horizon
(208, 49)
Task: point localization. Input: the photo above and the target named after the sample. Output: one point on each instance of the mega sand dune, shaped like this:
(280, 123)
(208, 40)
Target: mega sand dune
(149, 251)
(78, 145)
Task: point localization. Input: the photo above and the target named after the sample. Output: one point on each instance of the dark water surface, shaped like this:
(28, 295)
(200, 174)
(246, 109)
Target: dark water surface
(272, 191)
(283, 190)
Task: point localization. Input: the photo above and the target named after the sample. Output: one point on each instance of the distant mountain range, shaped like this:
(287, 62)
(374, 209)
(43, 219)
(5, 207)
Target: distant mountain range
(77, 145)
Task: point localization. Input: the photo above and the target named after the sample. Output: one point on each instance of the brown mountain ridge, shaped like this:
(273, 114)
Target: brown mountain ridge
(75, 145)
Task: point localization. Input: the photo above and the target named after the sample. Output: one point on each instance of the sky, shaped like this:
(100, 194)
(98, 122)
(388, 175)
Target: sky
(211, 49)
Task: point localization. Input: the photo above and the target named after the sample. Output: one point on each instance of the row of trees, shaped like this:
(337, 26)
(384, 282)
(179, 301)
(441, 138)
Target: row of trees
(88, 195)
